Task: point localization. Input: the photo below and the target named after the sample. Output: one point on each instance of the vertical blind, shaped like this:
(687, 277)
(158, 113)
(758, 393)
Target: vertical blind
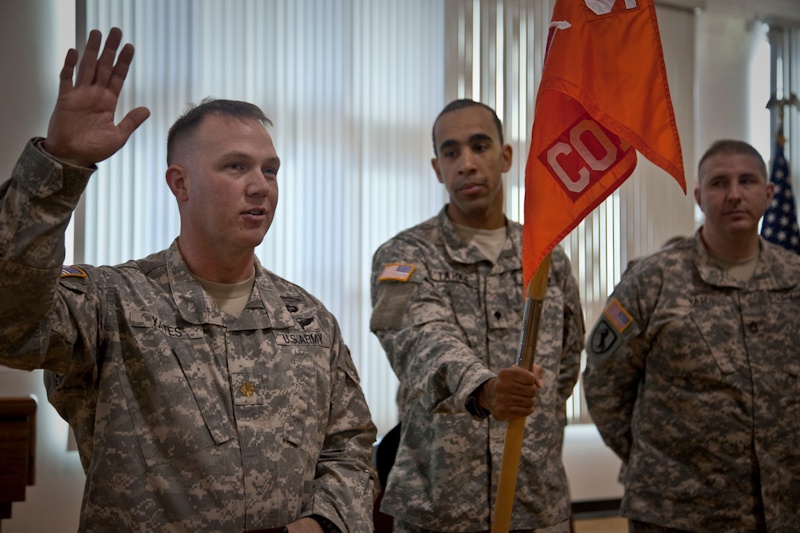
(495, 50)
(353, 87)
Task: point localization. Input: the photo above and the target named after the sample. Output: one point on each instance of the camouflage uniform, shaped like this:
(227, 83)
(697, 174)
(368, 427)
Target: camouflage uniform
(186, 419)
(448, 329)
(693, 379)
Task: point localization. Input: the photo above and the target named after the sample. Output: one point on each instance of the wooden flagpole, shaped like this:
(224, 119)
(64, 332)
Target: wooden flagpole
(515, 432)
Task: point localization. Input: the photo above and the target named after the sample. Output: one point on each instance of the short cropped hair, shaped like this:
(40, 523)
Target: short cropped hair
(194, 114)
(455, 105)
(729, 147)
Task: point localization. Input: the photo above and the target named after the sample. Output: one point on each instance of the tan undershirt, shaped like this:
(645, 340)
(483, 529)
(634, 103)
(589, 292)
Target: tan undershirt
(489, 241)
(741, 269)
(231, 297)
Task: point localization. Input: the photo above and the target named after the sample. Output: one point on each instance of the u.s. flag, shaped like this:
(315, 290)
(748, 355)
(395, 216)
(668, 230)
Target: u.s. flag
(780, 220)
(397, 272)
(68, 271)
(618, 316)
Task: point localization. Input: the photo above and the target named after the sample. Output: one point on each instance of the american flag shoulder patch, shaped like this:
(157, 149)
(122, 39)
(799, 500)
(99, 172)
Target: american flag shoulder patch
(72, 272)
(397, 272)
(617, 315)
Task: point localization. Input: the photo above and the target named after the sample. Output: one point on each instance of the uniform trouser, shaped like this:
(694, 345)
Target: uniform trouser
(405, 527)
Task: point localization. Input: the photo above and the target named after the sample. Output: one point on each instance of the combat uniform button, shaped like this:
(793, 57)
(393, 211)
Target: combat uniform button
(498, 314)
(753, 327)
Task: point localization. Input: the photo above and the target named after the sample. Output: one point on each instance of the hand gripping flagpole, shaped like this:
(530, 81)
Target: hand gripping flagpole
(515, 432)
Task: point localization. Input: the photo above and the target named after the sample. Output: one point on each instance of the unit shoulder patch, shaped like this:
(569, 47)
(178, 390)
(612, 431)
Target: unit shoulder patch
(603, 338)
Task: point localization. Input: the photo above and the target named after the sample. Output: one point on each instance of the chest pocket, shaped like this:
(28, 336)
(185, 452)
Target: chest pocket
(463, 291)
(786, 320)
(717, 320)
(172, 407)
(309, 388)
(775, 333)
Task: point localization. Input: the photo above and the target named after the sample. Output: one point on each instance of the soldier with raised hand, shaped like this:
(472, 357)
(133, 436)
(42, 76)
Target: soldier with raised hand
(693, 370)
(205, 392)
(448, 301)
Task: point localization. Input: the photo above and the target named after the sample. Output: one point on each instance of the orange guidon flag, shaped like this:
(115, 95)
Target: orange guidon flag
(602, 97)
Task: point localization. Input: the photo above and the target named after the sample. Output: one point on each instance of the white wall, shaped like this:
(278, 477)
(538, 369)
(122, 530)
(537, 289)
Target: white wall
(31, 56)
(30, 33)
(724, 41)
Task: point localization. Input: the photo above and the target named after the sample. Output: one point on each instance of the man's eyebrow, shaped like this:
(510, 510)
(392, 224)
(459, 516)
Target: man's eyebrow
(475, 137)
(237, 154)
(752, 175)
(447, 144)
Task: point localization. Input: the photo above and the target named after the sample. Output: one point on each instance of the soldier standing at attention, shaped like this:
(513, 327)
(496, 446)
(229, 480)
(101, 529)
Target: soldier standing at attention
(693, 372)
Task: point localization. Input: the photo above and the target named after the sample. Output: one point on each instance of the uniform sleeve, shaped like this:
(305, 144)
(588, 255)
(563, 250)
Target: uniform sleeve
(574, 330)
(345, 484)
(417, 327)
(36, 204)
(616, 351)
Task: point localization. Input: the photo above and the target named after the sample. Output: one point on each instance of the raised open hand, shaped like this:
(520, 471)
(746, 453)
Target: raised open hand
(82, 130)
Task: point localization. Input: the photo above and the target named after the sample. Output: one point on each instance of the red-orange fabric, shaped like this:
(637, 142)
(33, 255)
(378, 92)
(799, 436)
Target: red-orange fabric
(603, 96)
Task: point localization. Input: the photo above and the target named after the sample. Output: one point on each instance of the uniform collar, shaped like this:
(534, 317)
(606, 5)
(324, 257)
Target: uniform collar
(264, 310)
(772, 270)
(464, 252)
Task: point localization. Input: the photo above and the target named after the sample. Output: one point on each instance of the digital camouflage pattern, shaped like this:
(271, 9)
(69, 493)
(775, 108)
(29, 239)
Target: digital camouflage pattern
(186, 419)
(693, 379)
(449, 328)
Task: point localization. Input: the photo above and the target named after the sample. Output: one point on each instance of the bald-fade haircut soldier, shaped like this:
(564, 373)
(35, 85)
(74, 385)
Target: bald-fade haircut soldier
(206, 393)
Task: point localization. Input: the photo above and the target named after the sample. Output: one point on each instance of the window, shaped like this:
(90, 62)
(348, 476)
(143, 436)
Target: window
(353, 87)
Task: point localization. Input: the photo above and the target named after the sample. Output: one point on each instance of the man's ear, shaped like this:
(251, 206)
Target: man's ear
(770, 191)
(508, 154)
(177, 182)
(435, 165)
(697, 195)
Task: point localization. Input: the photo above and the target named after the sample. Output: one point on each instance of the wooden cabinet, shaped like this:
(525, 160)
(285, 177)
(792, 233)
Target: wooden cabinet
(17, 450)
